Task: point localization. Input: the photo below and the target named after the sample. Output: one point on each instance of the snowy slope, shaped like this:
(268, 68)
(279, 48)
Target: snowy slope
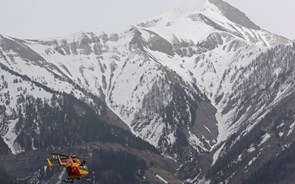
(187, 81)
(198, 20)
(215, 49)
(199, 42)
(14, 90)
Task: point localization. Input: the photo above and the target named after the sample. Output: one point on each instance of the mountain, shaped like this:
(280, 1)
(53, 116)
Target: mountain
(209, 91)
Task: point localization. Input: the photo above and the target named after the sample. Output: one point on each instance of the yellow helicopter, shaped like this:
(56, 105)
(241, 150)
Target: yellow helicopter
(76, 170)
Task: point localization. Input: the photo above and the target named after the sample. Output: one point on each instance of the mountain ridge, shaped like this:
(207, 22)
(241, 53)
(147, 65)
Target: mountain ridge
(195, 85)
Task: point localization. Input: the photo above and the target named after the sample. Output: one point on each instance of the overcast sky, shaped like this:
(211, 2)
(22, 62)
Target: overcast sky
(49, 18)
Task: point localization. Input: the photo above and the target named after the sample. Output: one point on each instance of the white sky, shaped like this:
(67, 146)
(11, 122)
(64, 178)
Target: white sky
(49, 18)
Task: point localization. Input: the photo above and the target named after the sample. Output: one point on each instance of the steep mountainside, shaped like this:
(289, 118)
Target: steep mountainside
(202, 84)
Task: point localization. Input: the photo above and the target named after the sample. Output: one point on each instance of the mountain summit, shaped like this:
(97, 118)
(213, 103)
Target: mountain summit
(217, 7)
(196, 21)
(202, 84)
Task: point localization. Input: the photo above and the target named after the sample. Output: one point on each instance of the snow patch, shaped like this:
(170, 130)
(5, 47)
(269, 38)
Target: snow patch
(281, 125)
(195, 142)
(240, 158)
(252, 161)
(33, 146)
(264, 138)
(216, 154)
(161, 179)
(10, 137)
(251, 148)
(291, 128)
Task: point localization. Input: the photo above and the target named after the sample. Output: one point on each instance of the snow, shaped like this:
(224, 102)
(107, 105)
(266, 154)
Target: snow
(223, 128)
(10, 137)
(209, 77)
(15, 89)
(194, 6)
(251, 148)
(207, 128)
(216, 154)
(33, 146)
(281, 125)
(195, 142)
(264, 139)
(229, 178)
(180, 20)
(292, 126)
(161, 179)
(107, 75)
(240, 158)
(208, 74)
(252, 161)
(171, 138)
(198, 180)
(152, 132)
(284, 90)
(202, 181)
(45, 168)
(41, 73)
(132, 78)
(125, 77)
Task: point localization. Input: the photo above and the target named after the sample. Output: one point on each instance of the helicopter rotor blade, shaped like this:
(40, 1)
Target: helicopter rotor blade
(67, 156)
(62, 155)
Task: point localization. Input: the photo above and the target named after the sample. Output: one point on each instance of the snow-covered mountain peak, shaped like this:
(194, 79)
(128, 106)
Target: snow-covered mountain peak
(194, 6)
(213, 9)
(197, 20)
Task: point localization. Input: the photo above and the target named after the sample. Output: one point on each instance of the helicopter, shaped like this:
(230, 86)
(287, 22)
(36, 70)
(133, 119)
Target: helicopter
(76, 170)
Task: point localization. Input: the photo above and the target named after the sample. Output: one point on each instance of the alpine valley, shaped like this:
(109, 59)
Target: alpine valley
(197, 95)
